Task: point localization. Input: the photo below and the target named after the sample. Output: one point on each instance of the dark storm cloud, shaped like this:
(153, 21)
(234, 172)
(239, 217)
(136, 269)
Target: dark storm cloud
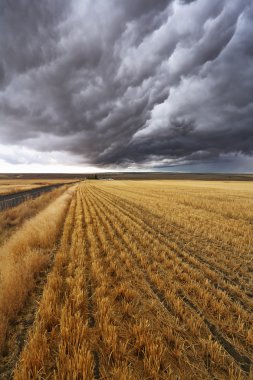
(187, 1)
(128, 82)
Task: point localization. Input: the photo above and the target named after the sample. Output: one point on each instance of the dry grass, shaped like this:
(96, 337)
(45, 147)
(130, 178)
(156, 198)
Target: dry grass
(11, 219)
(152, 281)
(24, 255)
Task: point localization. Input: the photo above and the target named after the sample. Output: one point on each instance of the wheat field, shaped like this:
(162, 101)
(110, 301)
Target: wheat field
(150, 280)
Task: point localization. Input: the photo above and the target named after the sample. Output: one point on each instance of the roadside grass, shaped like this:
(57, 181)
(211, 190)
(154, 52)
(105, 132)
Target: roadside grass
(12, 218)
(24, 255)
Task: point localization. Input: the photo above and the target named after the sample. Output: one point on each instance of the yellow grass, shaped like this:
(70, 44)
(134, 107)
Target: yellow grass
(12, 218)
(151, 278)
(25, 254)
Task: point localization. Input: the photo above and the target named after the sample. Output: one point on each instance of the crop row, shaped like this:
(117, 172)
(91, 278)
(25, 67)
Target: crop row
(125, 300)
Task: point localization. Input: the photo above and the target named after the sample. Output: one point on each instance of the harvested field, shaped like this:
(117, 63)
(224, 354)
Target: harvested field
(150, 280)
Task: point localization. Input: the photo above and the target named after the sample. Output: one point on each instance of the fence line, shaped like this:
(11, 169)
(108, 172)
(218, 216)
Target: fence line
(12, 200)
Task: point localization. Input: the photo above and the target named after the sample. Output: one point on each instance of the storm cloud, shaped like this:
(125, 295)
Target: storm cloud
(119, 83)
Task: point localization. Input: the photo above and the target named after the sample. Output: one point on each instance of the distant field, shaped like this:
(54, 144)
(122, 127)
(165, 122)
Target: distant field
(148, 280)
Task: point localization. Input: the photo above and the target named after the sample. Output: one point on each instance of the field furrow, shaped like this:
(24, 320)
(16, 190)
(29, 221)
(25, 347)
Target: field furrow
(142, 287)
(131, 248)
(196, 230)
(183, 259)
(176, 240)
(120, 284)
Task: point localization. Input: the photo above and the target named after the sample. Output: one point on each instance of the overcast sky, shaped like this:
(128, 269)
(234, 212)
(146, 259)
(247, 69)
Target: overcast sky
(126, 84)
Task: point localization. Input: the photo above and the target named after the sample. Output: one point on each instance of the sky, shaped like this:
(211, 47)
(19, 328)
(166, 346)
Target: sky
(96, 85)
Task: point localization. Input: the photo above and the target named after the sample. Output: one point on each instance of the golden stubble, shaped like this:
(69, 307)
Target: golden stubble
(151, 281)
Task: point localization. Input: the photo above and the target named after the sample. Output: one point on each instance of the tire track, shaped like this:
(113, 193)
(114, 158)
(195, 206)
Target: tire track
(242, 360)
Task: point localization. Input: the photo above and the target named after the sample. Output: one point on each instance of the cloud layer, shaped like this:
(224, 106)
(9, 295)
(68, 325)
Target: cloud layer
(128, 83)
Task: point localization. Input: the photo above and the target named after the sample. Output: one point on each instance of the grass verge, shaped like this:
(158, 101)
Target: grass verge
(24, 255)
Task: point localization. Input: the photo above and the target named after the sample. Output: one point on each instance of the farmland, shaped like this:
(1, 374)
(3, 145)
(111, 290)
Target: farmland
(131, 280)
